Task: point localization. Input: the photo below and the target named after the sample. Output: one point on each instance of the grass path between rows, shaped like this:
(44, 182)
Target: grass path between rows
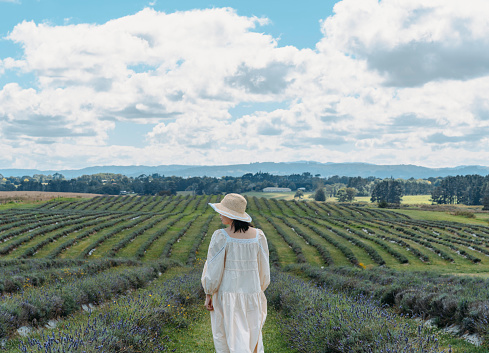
(198, 337)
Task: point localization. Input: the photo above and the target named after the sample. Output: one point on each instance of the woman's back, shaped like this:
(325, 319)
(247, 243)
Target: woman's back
(241, 274)
(234, 277)
(236, 274)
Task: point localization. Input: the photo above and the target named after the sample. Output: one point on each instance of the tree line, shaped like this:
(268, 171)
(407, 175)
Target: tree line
(345, 188)
(462, 189)
(468, 189)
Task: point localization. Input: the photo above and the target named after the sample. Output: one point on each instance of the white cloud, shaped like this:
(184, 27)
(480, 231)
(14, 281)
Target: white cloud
(391, 82)
(413, 42)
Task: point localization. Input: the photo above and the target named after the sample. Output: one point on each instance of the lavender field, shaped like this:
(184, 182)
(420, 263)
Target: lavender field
(121, 274)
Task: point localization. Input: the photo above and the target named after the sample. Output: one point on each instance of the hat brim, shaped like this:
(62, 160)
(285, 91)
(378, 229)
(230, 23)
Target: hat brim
(219, 208)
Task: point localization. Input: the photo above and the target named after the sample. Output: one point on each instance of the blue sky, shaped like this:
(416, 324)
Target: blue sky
(218, 82)
(295, 23)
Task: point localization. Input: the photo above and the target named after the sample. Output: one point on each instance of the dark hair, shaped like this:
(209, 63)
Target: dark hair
(240, 226)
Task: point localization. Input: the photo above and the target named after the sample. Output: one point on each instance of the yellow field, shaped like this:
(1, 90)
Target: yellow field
(14, 199)
(277, 195)
(407, 200)
(34, 196)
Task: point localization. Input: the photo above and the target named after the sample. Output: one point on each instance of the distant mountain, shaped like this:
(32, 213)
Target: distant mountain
(404, 171)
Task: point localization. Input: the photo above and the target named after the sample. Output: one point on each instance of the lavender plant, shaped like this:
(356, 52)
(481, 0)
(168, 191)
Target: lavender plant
(134, 323)
(316, 319)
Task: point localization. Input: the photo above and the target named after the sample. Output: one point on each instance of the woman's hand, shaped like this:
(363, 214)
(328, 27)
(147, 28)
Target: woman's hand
(208, 302)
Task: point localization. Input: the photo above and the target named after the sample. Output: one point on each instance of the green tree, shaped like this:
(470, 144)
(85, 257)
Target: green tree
(351, 193)
(485, 199)
(346, 194)
(299, 194)
(341, 195)
(319, 195)
(387, 191)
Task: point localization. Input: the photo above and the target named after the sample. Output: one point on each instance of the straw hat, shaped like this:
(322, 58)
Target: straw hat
(232, 206)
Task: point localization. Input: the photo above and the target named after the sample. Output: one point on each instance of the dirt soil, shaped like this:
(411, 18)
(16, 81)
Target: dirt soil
(33, 196)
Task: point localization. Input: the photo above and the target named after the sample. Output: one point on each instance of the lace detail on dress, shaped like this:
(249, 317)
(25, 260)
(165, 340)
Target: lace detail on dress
(235, 240)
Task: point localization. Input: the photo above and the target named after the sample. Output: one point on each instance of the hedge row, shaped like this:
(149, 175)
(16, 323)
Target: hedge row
(158, 234)
(133, 235)
(39, 305)
(127, 200)
(143, 201)
(169, 243)
(363, 234)
(296, 248)
(401, 242)
(63, 232)
(273, 253)
(289, 240)
(321, 248)
(161, 204)
(136, 220)
(198, 241)
(13, 222)
(418, 239)
(36, 224)
(317, 319)
(43, 230)
(43, 272)
(137, 322)
(345, 250)
(374, 255)
(448, 243)
(86, 233)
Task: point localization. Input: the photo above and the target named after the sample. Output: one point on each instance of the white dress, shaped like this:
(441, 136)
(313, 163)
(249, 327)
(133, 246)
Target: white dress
(236, 273)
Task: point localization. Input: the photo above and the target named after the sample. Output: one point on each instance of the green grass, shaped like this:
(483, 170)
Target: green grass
(130, 249)
(310, 252)
(285, 253)
(181, 248)
(156, 249)
(201, 254)
(406, 199)
(19, 205)
(338, 257)
(442, 216)
(197, 338)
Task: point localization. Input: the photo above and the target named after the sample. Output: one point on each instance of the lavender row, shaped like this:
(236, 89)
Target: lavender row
(132, 323)
(39, 305)
(447, 299)
(35, 273)
(318, 319)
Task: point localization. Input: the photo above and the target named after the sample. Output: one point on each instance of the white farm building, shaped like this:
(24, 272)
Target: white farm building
(271, 189)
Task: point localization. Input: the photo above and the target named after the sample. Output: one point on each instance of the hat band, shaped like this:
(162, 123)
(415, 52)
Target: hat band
(245, 218)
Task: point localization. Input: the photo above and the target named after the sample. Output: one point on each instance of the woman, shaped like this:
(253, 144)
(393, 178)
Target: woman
(235, 275)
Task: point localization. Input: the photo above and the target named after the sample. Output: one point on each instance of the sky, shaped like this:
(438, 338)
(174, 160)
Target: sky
(93, 83)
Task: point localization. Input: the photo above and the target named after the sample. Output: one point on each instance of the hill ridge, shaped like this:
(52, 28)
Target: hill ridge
(352, 169)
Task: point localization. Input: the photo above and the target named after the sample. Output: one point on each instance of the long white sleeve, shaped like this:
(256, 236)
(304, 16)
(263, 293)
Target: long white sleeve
(263, 262)
(214, 266)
